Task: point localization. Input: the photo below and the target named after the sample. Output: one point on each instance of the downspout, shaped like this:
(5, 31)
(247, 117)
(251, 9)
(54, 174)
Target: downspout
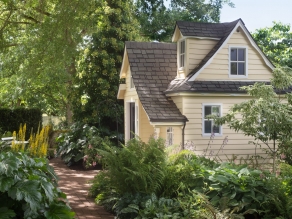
(183, 136)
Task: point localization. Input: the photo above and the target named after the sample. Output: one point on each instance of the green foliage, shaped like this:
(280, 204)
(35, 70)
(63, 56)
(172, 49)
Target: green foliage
(276, 42)
(157, 20)
(136, 167)
(267, 115)
(28, 189)
(99, 66)
(39, 43)
(81, 142)
(11, 118)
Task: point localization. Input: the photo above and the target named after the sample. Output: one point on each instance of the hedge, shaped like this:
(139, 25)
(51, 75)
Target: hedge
(10, 119)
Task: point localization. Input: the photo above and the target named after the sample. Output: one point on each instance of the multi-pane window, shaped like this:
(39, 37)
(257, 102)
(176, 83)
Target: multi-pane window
(209, 126)
(237, 61)
(169, 136)
(182, 49)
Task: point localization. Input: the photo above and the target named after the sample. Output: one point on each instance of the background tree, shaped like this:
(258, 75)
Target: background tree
(267, 116)
(157, 18)
(40, 41)
(276, 43)
(98, 79)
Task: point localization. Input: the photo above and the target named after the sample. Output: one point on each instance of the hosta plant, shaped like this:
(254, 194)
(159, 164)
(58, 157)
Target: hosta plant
(28, 189)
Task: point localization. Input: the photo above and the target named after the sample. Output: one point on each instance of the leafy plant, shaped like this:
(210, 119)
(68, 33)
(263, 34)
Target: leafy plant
(136, 167)
(28, 189)
(71, 145)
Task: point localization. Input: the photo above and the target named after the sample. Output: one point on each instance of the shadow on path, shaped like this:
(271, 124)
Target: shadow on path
(74, 183)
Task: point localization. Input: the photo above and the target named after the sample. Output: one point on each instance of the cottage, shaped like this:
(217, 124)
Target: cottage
(171, 87)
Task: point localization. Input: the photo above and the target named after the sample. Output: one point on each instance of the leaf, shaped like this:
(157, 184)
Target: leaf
(6, 213)
(9, 164)
(6, 183)
(221, 178)
(28, 191)
(59, 211)
(49, 189)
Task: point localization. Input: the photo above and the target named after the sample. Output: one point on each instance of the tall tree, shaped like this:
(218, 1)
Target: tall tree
(40, 40)
(157, 18)
(276, 43)
(98, 79)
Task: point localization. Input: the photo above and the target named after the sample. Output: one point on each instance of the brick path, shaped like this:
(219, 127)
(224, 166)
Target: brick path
(74, 183)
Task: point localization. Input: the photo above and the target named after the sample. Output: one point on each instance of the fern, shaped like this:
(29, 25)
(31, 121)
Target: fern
(137, 167)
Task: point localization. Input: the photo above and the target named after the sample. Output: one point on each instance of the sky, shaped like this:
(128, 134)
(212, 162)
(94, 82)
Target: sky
(258, 13)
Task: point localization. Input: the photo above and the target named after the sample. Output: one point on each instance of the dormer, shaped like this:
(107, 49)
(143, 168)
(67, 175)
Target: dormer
(230, 44)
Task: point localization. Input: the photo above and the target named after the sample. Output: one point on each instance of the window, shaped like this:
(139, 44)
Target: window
(169, 136)
(238, 61)
(132, 120)
(182, 48)
(209, 126)
(132, 83)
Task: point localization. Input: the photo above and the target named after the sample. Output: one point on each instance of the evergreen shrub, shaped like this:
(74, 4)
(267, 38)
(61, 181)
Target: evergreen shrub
(11, 118)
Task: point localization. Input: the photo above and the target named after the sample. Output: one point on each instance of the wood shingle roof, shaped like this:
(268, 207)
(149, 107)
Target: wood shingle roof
(153, 66)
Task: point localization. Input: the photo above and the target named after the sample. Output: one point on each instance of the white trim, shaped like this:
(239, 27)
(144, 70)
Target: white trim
(239, 24)
(125, 58)
(231, 46)
(127, 118)
(184, 94)
(167, 139)
(122, 87)
(167, 123)
(203, 119)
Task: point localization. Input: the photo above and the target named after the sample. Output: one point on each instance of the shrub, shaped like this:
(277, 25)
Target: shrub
(76, 144)
(28, 189)
(136, 167)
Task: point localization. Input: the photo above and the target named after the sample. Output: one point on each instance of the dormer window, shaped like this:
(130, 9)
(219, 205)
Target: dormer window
(132, 83)
(182, 49)
(238, 61)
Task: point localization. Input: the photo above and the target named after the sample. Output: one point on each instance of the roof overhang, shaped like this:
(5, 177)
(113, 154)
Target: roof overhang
(241, 25)
(121, 91)
(125, 64)
(211, 94)
(167, 123)
(177, 35)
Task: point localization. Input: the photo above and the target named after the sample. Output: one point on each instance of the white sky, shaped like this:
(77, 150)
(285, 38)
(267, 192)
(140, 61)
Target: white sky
(258, 13)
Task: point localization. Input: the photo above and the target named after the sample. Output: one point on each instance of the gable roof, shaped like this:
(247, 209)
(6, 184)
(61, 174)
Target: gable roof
(153, 66)
(208, 30)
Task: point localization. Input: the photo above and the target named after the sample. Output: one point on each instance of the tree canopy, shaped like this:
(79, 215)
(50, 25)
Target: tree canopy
(97, 81)
(276, 43)
(157, 18)
(39, 43)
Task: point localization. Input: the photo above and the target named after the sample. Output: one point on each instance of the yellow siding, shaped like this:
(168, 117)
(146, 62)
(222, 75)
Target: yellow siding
(177, 133)
(145, 129)
(237, 144)
(197, 49)
(219, 67)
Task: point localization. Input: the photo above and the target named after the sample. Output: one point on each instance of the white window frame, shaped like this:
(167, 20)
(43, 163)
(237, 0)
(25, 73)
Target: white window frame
(127, 119)
(203, 119)
(182, 55)
(132, 85)
(169, 132)
(246, 61)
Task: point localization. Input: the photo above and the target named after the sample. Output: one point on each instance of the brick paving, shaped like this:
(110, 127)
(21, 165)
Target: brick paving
(74, 182)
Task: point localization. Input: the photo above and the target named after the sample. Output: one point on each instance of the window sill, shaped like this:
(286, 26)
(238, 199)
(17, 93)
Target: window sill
(238, 76)
(209, 135)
